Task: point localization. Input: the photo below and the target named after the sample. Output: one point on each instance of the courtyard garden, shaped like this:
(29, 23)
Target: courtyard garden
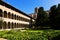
(41, 29)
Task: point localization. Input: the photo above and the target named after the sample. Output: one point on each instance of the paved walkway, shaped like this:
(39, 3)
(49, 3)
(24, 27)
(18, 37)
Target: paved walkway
(2, 39)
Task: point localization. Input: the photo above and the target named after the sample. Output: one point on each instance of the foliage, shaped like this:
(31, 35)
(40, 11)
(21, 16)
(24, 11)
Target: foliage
(52, 15)
(42, 18)
(55, 16)
(53, 20)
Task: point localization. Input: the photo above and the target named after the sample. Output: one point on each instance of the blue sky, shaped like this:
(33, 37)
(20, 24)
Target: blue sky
(28, 6)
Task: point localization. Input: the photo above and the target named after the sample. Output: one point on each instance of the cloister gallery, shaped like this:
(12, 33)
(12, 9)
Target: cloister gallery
(12, 17)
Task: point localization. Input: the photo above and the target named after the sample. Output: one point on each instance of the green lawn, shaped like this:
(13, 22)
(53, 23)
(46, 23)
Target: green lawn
(29, 34)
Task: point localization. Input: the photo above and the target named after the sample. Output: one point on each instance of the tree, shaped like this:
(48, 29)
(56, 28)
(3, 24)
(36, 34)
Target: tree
(55, 17)
(41, 18)
(52, 15)
(58, 17)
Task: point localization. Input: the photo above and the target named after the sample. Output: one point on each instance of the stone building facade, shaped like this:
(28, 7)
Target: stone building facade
(12, 17)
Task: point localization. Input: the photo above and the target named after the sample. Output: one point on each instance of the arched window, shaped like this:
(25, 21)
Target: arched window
(1, 13)
(5, 14)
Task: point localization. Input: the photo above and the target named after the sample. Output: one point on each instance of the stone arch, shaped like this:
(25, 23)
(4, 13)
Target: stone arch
(4, 25)
(0, 27)
(1, 13)
(19, 25)
(8, 25)
(5, 14)
(12, 25)
(12, 16)
(9, 15)
(15, 17)
(19, 17)
(15, 25)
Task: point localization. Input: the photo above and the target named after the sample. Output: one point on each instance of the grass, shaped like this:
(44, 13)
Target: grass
(29, 34)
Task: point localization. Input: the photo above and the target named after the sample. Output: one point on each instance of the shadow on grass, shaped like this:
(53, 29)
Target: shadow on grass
(56, 38)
